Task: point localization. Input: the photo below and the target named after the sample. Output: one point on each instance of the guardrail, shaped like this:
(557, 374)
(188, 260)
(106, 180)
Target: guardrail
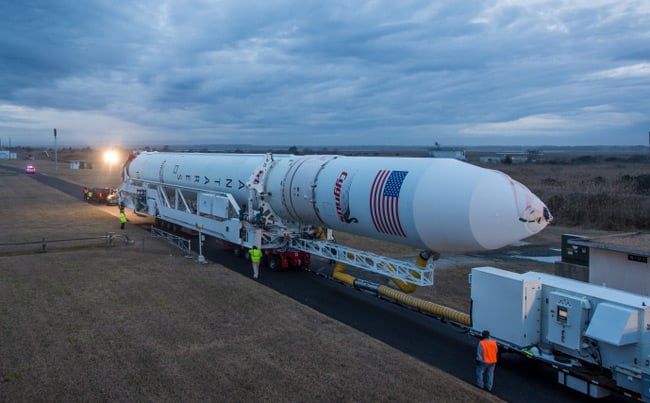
(181, 243)
(109, 238)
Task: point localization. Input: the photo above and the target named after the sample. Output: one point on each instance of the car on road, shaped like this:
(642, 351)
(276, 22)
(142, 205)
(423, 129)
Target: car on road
(31, 169)
(104, 195)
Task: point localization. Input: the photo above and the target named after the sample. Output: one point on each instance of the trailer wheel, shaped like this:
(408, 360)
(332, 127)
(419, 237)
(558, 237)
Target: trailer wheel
(273, 262)
(237, 251)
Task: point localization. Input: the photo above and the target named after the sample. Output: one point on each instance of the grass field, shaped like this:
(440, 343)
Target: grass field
(86, 322)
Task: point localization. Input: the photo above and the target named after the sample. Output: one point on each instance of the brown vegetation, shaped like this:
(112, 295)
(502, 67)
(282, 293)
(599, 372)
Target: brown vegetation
(590, 192)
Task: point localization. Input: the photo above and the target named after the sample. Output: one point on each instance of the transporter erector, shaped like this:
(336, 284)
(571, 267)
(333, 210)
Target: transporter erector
(286, 201)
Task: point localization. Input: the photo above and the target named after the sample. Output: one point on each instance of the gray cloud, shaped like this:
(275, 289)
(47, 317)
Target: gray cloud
(333, 73)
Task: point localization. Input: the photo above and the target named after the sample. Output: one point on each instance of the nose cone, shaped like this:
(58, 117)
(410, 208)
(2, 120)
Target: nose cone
(503, 211)
(460, 207)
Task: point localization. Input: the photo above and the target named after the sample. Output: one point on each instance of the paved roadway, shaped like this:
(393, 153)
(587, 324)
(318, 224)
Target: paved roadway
(429, 340)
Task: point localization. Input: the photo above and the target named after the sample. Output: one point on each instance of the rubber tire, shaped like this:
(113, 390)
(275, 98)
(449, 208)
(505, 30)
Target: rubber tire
(273, 263)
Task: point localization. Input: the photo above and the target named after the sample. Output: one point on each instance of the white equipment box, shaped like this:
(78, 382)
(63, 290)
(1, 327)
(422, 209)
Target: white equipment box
(509, 307)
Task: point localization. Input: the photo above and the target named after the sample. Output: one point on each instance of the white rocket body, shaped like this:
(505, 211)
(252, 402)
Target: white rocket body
(443, 205)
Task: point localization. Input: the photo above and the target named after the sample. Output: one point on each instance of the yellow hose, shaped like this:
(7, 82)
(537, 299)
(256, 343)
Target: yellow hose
(422, 305)
(426, 306)
(320, 233)
(344, 277)
(405, 286)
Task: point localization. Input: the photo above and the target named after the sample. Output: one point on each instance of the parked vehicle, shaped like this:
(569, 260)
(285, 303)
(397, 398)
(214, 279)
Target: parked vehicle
(103, 195)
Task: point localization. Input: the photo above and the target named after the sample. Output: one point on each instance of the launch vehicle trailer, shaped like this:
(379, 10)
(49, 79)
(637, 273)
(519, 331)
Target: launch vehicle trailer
(596, 338)
(289, 202)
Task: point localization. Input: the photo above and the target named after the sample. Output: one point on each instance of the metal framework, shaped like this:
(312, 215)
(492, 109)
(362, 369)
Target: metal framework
(219, 215)
(178, 241)
(386, 266)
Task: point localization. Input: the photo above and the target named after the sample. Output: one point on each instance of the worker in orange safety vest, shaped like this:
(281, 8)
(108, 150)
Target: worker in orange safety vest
(486, 360)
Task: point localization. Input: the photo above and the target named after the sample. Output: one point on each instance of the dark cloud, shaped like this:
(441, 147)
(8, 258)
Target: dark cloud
(337, 72)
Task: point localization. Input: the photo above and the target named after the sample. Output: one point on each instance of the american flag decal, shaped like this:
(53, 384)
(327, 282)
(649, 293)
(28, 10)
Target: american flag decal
(384, 201)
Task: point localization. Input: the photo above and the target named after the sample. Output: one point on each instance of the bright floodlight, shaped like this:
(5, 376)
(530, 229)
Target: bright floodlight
(110, 157)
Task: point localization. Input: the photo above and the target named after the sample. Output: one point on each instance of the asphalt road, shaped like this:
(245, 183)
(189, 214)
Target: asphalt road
(442, 345)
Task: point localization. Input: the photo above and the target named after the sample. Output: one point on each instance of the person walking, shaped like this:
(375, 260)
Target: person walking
(256, 256)
(486, 360)
(85, 193)
(123, 219)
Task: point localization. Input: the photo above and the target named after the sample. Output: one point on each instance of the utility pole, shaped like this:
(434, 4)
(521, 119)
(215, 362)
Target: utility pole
(56, 155)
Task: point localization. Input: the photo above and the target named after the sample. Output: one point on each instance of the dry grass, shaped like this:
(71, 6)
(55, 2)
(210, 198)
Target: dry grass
(606, 195)
(88, 322)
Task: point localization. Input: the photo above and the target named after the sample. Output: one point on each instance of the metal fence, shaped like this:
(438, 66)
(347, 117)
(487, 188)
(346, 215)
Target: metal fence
(181, 243)
(109, 238)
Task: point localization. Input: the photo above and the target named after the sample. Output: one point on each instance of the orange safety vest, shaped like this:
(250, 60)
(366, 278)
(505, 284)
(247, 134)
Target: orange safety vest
(489, 347)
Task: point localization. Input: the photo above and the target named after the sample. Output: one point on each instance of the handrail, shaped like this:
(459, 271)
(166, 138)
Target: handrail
(109, 237)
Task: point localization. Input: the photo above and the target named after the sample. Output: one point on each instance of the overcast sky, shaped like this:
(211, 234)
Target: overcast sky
(304, 73)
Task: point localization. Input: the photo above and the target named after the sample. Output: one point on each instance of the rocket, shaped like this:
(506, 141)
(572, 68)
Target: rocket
(439, 204)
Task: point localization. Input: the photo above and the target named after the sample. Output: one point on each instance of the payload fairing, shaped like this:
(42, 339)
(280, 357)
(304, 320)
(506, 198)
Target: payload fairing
(442, 205)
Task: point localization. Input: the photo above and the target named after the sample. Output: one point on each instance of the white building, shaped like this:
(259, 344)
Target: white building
(619, 261)
(80, 165)
(7, 155)
(456, 154)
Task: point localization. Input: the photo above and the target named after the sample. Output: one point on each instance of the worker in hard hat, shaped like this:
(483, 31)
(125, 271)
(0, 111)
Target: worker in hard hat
(486, 360)
(256, 256)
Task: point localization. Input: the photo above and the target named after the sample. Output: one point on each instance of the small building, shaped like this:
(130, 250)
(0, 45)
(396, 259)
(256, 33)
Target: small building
(506, 157)
(619, 261)
(490, 159)
(456, 154)
(7, 155)
(80, 165)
